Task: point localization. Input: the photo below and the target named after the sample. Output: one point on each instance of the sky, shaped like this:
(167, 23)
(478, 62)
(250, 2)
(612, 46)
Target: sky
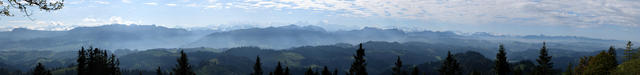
(605, 19)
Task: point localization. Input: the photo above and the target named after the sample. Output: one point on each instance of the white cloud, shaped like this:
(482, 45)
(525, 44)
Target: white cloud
(151, 3)
(119, 20)
(101, 2)
(212, 6)
(89, 20)
(212, 1)
(577, 13)
(192, 5)
(126, 1)
(74, 2)
(172, 4)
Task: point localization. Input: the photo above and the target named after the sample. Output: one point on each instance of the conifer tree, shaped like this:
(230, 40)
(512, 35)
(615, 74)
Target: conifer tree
(158, 71)
(415, 71)
(183, 67)
(397, 70)
(612, 52)
(335, 71)
(450, 66)
(309, 72)
(501, 65)
(628, 52)
(94, 61)
(359, 65)
(582, 65)
(569, 70)
(257, 68)
(114, 65)
(278, 70)
(600, 64)
(286, 71)
(41, 70)
(82, 59)
(325, 71)
(544, 60)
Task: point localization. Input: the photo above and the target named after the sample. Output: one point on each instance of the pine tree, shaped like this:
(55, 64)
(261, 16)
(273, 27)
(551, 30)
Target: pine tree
(82, 59)
(569, 70)
(397, 70)
(359, 66)
(257, 68)
(612, 52)
(183, 67)
(415, 71)
(278, 70)
(628, 52)
(544, 61)
(600, 64)
(582, 65)
(502, 66)
(326, 71)
(630, 67)
(335, 71)
(450, 66)
(94, 61)
(309, 72)
(286, 71)
(41, 70)
(158, 71)
(114, 65)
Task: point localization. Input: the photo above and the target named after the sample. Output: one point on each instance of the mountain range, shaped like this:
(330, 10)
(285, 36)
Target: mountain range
(118, 36)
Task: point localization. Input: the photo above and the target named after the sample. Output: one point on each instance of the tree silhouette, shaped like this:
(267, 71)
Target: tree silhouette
(600, 64)
(257, 68)
(24, 5)
(502, 66)
(82, 61)
(397, 69)
(569, 70)
(450, 66)
(183, 67)
(415, 71)
(325, 71)
(286, 71)
(41, 70)
(94, 61)
(335, 71)
(278, 70)
(582, 65)
(359, 65)
(628, 52)
(612, 52)
(158, 71)
(309, 72)
(544, 61)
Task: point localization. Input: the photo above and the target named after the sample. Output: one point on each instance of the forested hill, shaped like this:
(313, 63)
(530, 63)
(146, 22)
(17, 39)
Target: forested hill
(143, 37)
(380, 57)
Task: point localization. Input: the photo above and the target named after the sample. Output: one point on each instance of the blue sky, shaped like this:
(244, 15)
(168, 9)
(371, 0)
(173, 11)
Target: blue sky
(607, 19)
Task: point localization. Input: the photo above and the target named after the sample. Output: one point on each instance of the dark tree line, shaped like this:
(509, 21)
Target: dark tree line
(94, 61)
(606, 63)
(41, 70)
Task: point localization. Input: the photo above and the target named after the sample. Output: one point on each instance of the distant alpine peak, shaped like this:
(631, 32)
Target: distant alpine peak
(298, 27)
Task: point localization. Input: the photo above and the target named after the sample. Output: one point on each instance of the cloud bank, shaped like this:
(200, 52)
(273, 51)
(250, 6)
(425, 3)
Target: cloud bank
(577, 13)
